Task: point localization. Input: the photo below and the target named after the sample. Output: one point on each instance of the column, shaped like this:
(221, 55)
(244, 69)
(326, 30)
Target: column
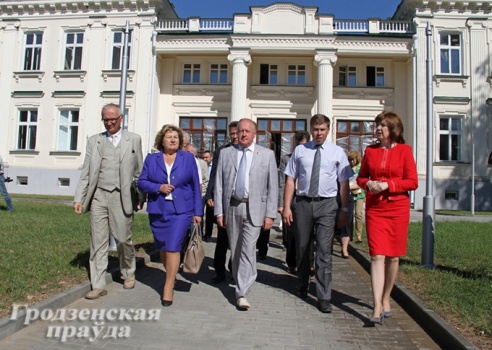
(325, 60)
(240, 59)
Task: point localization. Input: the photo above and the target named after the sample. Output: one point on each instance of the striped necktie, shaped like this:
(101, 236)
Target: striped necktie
(314, 184)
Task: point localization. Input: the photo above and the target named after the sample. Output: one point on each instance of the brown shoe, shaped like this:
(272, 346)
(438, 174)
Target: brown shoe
(96, 293)
(129, 284)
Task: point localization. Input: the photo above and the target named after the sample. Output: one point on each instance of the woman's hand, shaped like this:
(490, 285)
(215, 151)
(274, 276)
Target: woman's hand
(377, 187)
(197, 220)
(166, 189)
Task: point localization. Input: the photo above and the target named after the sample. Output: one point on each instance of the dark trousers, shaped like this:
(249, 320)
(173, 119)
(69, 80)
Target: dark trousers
(209, 220)
(262, 243)
(320, 215)
(290, 245)
(220, 254)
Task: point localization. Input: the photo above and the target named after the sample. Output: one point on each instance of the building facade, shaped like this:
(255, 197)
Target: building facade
(277, 65)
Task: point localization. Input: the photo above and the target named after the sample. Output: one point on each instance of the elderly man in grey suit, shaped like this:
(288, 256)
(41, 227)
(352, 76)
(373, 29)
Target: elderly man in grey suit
(112, 161)
(246, 191)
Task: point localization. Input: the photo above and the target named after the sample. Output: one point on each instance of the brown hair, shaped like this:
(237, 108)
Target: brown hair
(394, 124)
(318, 119)
(165, 129)
(354, 155)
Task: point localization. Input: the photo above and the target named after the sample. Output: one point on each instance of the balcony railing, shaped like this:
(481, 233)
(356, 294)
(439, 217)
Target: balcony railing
(338, 26)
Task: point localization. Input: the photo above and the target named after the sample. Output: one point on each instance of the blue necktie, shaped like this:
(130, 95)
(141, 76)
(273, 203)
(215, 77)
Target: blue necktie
(314, 184)
(241, 176)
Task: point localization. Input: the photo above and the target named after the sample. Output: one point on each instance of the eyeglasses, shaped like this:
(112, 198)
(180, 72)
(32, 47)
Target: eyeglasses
(110, 120)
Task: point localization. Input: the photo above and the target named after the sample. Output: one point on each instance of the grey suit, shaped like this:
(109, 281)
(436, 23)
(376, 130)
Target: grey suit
(111, 211)
(244, 219)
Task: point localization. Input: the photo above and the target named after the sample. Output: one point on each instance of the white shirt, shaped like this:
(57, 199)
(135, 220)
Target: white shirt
(117, 137)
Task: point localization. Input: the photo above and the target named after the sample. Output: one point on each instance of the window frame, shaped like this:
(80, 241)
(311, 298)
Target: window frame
(25, 138)
(222, 68)
(77, 52)
(347, 146)
(197, 129)
(268, 74)
(120, 46)
(450, 133)
(194, 71)
(70, 125)
(36, 50)
(298, 72)
(378, 72)
(450, 48)
(347, 72)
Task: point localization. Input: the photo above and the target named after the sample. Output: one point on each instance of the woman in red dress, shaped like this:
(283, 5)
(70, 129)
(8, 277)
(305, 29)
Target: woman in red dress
(387, 173)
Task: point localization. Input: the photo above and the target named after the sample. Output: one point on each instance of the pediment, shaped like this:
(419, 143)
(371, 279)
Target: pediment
(282, 18)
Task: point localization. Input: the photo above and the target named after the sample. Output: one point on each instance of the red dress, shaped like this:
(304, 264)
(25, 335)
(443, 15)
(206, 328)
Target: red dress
(388, 213)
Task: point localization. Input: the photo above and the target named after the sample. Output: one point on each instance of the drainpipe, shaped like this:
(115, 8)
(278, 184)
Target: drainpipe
(414, 104)
(152, 91)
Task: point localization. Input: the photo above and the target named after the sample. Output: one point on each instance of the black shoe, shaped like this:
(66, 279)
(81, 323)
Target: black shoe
(261, 257)
(302, 293)
(166, 303)
(324, 306)
(218, 278)
(206, 238)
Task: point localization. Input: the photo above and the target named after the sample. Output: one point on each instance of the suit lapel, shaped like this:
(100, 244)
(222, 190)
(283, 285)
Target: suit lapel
(100, 143)
(160, 162)
(255, 159)
(233, 156)
(125, 144)
(178, 161)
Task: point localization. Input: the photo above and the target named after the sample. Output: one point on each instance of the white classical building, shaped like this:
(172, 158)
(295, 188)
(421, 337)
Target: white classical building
(278, 65)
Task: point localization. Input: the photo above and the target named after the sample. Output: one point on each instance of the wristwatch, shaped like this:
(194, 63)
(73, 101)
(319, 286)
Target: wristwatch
(345, 209)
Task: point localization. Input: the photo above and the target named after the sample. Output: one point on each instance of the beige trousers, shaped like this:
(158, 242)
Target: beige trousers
(107, 215)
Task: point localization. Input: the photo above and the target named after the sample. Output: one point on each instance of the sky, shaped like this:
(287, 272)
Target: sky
(345, 9)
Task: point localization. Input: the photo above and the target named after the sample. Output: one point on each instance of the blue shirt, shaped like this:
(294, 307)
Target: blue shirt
(334, 166)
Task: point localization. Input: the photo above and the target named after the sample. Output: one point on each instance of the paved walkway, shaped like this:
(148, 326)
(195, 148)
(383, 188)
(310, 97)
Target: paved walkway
(204, 315)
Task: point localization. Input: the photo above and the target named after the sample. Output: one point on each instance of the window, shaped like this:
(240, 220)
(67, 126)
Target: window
(218, 74)
(355, 135)
(28, 121)
(374, 76)
(347, 76)
(206, 134)
(296, 75)
(118, 45)
(450, 52)
(278, 134)
(22, 180)
(450, 132)
(32, 54)
(68, 130)
(63, 182)
(73, 51)
(191, 73)
(268, 74)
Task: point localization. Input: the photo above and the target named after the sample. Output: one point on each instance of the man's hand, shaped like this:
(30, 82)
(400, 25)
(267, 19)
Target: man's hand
(140, 205)
(221, 221)
(267, 224)
(77, 208)
(287, 216)
(280, 210)
(210, 202)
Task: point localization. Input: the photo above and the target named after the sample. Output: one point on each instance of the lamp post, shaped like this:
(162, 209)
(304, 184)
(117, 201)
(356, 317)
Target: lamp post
(124, 67)
(428, 222)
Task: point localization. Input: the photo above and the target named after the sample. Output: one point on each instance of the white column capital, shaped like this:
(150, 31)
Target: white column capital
(325, 57)
(239, 56)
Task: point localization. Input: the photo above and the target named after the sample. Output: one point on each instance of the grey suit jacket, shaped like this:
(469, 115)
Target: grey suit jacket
(131, 162)
(263, 183)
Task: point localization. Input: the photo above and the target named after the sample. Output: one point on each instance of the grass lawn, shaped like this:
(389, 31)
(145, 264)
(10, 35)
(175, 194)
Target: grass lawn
(45, 250)
(459, 288)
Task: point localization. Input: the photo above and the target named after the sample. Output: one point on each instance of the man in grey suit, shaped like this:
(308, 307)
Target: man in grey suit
(112, 161)
(246, 191)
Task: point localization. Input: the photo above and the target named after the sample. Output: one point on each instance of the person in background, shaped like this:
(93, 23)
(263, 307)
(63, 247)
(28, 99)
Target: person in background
(113, 159)
(209, 211)
(246, 194)
(170, 178)
(220, 254)
(203, 175)
(387, 173)
(3, 188)
(316, 167)
(357, 193)
(300, 138)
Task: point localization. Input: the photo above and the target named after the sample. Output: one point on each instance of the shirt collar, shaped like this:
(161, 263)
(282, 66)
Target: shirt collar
(117, 134)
